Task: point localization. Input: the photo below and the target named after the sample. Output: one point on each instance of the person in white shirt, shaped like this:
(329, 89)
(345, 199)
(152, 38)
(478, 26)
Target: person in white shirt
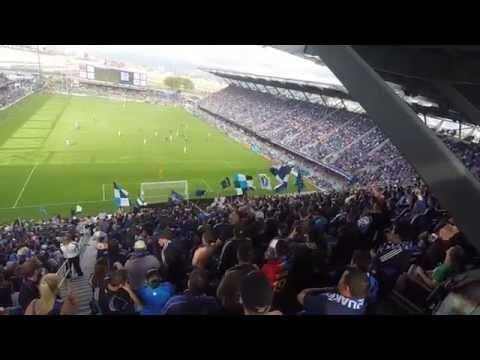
(71, 252)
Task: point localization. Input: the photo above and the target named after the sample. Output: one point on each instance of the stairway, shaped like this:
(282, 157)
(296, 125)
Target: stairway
(79, 285)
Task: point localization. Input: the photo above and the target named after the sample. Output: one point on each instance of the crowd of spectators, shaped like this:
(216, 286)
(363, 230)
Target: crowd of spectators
(29, 250)
(316, 174)
(11, 91)
(341, 253)
(347, 141)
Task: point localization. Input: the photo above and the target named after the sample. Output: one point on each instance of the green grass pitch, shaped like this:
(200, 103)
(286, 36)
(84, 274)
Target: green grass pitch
(38, 169)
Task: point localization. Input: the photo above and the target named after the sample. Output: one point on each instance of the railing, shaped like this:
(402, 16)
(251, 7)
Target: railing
(64, 270)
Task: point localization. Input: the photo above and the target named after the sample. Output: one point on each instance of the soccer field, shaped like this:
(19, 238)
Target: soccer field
(39, 170)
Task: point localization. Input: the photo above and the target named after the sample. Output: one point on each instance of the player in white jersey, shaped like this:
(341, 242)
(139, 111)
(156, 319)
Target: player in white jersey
(77, 125)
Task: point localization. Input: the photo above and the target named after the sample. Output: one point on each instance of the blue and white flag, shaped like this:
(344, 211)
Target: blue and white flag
(282, 174)
(264, 182)
(120, 196)
(295, 172)
(242, 183)
(250, 185)
(141, 201)
(280, 187)
(176, 198)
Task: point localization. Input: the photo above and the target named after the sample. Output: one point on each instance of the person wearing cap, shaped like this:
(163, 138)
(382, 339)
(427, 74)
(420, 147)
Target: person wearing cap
(256, 295)
(155, 293)
(139, 263)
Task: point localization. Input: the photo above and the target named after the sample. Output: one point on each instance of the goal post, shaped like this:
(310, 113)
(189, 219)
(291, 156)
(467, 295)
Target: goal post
(158, 192)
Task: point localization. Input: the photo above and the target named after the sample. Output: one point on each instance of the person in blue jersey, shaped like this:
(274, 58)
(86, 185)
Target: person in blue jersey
(393, 257)
(193, 301)
(349, 298)
(155, 293)
(361, 259)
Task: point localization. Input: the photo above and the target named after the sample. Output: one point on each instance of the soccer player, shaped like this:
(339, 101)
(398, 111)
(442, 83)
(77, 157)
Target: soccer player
(67, 142)
(119, 133)
(77, 125)
(144, 141)
(156, 133)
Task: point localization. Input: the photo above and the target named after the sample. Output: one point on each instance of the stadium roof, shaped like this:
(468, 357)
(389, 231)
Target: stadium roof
(447, 75)
(420, 105)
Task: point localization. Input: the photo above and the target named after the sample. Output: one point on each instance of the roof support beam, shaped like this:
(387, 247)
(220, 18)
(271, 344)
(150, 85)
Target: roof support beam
(292, 94)
(460, 102)
(449, 180)
(323, 100)
(305, 96)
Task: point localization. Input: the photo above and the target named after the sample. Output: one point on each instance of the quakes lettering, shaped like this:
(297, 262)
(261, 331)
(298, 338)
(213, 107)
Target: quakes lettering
(344, 301)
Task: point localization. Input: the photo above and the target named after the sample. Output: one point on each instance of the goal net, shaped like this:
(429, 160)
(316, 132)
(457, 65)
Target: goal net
(157, 192)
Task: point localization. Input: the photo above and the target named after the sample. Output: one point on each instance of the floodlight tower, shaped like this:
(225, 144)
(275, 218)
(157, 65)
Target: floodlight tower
(40, 77)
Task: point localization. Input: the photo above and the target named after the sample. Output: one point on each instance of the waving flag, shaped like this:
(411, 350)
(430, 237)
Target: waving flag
(280, 187)
(176, 198)
(240, 183)
(120, 196)
(141, 201)
(243, 183)
(78, 209)
(250, 185)
(299, 182)
(282, 174)
(200, 192)
(264, 182)
(225, 183)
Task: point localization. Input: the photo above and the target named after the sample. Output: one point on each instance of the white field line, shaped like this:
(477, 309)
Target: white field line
(25, 185)
(56, 204)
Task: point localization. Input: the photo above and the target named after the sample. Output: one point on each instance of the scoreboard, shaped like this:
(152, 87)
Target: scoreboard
(114, 76)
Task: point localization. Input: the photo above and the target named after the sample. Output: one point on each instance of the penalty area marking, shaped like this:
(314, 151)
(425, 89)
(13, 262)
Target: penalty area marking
(24, 186)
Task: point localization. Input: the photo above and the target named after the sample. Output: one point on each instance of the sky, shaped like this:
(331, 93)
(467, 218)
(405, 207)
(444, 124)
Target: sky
(247, 58)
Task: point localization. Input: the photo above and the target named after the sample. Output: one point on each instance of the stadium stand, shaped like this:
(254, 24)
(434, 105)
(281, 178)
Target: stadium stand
(385, 246)
(357, 252)
(351, 142)
(13, 90)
